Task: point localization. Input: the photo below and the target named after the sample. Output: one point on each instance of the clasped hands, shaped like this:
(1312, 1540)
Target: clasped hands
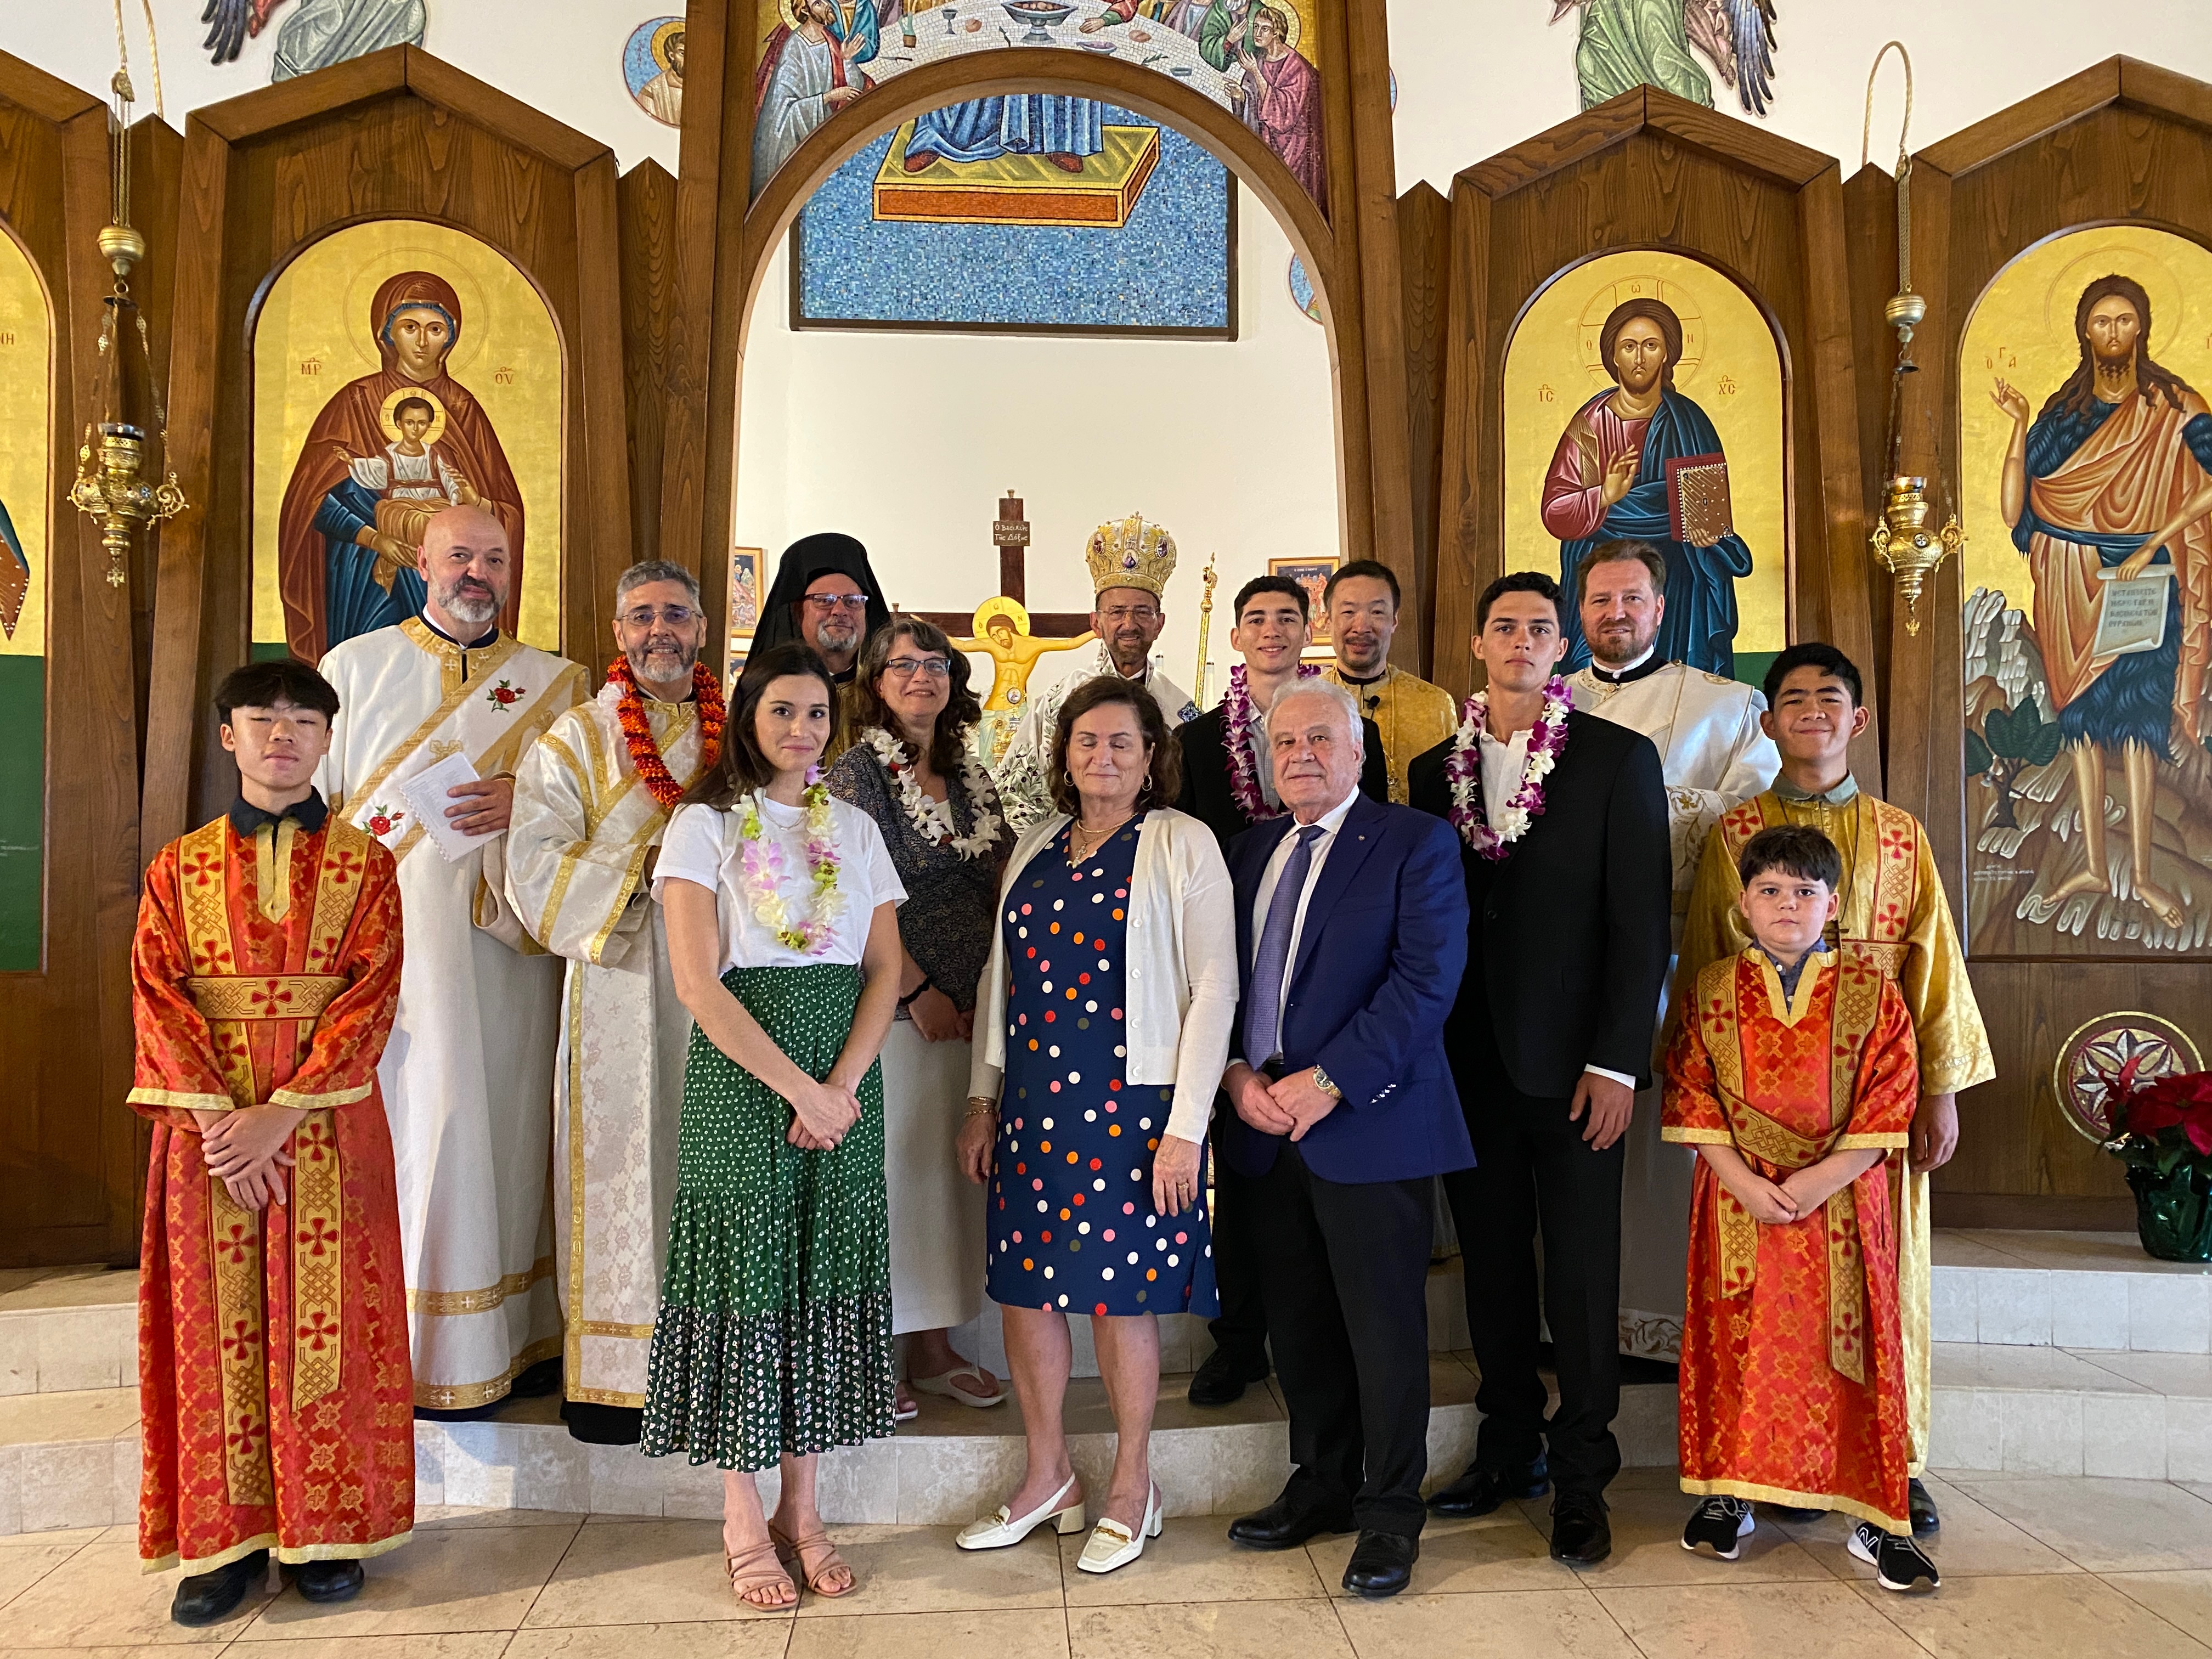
(245, 1150)
(1289, 1106)
(822, 1115)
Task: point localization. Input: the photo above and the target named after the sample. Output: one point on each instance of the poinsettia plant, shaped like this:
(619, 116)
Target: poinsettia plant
(2162, 1124)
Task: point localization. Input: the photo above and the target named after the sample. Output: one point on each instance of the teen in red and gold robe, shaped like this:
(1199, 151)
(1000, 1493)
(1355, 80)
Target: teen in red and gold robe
(276, 1398)
(1793, 1373)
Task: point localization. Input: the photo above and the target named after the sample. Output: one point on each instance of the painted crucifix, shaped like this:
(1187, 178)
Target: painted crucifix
(1004, 629)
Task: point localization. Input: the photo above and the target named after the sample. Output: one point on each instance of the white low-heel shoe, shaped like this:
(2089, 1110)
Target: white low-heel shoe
(1000, 1530)
(1110, 1546)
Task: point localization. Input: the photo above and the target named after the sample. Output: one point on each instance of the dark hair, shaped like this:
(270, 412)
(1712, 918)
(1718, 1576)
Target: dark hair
(960, 710)
(743, 767)
(1270, 585)
(1813, 653)
(1621, 552)
(1163, 780)
(1370, 568)
(265, 684)
(2079, 394)
(1795, 850)
(1652, 311)
(401, 407)
(1518, 581)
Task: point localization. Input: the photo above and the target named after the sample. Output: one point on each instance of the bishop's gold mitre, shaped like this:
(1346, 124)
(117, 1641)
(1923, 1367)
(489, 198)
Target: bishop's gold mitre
(1131, 554)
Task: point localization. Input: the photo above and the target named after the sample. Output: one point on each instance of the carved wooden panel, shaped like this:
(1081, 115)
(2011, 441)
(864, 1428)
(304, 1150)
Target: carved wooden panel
(70, 1151)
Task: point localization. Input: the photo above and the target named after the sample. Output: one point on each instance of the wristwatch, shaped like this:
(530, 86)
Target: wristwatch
(1325, 1084)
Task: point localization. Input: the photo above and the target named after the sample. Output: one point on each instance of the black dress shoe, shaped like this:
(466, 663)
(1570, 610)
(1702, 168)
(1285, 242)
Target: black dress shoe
(328, 1581)
(537, 1380)
(1581, 1535)
(209, 1598)
(1382, 1563)
(1922, 1509)
(1479, 1491)
(1283, 1526)
(1222, 1380)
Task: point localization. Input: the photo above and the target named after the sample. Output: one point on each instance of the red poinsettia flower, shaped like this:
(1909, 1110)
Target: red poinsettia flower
(2181, 1101)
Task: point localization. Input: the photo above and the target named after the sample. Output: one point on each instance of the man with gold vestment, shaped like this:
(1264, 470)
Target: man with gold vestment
(1361, 604)
(468, 1084)
(275, 1407)
(1713, 756)
(592, 801)
(1892, 907)
(1130, 563)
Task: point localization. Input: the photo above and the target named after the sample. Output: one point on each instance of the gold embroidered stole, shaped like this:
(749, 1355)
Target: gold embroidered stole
(503, 705)
(228, 1000)
(1854, 1008)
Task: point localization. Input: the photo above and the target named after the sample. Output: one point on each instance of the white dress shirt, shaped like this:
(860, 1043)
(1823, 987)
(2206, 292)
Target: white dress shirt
(1502, 764)
(1263, 900)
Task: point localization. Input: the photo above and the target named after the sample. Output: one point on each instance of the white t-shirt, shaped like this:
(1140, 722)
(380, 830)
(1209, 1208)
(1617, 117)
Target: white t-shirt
(702, 845)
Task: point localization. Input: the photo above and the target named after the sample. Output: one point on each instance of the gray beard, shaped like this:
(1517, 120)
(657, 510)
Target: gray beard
(638, 659)
(475, 612)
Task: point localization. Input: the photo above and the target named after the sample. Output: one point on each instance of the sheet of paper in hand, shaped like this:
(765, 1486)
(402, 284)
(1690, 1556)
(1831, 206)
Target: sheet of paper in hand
(2131, 615)
(1697, 507)
(426, 791)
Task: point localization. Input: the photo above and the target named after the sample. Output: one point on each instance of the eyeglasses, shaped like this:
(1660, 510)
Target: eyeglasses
(827, 602)
(907, 667)
(1121, 613)
(676, 616)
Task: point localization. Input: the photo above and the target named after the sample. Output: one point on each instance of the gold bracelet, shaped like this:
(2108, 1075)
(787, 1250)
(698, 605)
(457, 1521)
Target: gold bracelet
(979, 1107)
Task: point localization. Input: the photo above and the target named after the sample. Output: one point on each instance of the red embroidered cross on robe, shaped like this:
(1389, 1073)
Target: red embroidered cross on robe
(1792, 1384)
(276, 1400)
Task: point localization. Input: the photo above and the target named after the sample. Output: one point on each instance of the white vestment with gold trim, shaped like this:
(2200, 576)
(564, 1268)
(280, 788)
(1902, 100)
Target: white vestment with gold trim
(576, 857)
(468, 1073)
(1713, 756)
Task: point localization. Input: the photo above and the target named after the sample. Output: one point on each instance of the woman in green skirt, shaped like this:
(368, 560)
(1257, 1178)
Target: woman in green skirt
(774, 1338)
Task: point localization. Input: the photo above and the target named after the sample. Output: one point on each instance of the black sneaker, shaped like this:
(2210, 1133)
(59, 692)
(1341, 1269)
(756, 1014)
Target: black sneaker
(1899, 1564)
(1718, 1528)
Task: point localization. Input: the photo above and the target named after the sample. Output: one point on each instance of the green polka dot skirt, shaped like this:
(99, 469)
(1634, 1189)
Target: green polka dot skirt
(775, 1331)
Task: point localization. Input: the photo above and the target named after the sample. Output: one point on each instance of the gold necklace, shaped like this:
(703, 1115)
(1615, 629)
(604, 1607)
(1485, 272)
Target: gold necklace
(1076, 854)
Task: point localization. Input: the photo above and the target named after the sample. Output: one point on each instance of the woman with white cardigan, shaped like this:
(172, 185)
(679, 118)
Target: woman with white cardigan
(1102, 1028)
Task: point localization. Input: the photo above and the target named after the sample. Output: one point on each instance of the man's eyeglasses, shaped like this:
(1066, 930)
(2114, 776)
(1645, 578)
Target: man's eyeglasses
(676, 616)
(829, 602)
(907, 667)
(1119, 614)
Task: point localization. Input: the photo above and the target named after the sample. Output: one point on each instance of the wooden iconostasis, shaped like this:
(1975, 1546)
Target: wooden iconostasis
(587, 375)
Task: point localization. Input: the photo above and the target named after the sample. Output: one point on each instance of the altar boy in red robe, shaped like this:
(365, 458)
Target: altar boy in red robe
(276, 1401)
(1795, 1074)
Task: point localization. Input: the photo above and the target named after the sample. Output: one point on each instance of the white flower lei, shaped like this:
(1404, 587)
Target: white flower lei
(1499, 825)
(760, 871)
(982, 800)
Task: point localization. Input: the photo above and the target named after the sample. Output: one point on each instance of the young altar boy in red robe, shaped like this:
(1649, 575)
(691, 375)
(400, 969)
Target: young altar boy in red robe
(1795, 1074)
(276, 1399)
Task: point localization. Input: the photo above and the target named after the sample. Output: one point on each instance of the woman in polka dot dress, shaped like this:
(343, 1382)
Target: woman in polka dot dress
(773, 1341)
(1101, 1027)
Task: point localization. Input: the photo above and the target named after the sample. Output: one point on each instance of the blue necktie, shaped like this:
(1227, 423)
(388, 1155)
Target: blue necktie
(1263, 1006)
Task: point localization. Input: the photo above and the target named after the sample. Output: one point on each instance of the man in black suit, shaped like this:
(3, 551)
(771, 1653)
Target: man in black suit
(1568, 883)
(1351, 934)
(1228, 792)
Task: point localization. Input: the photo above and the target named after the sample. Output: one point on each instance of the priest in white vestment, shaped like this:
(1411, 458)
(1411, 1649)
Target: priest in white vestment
(592, 801)
(1713, 756)
(1130, 564)
(468, 1074)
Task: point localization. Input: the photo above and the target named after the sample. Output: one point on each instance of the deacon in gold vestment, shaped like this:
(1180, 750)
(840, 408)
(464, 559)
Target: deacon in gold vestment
(468, 1081)
(1895, 910)
(1361, 604)
(580, 855)
(275, 1408)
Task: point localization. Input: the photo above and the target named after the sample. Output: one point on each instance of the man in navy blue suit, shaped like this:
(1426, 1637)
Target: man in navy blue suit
(1352, 928)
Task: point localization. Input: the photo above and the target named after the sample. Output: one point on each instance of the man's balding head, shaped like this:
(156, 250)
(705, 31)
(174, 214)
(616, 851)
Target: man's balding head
(465, 564)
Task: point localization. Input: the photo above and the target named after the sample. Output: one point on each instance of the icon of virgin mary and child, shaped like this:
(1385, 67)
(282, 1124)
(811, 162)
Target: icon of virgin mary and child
(387, 451)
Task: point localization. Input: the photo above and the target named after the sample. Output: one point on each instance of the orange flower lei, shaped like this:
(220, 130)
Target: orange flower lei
(637, 731)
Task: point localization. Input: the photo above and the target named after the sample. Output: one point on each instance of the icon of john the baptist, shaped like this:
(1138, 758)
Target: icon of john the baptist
(386, 451)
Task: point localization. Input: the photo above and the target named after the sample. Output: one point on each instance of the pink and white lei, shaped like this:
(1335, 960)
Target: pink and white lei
(1237, 713)
(1507, 824)
(762, 873)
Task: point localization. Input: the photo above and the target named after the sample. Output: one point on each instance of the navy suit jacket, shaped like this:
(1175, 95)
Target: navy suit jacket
(1378, 963)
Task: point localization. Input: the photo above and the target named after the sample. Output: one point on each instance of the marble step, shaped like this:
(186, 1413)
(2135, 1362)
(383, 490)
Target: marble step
(64, 1330)
(2067, 1290)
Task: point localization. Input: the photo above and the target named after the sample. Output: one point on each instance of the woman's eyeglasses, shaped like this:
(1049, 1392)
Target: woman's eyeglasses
(907, 667)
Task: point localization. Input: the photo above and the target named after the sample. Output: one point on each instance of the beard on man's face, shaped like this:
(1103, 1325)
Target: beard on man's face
(835, 632)
(662, 661)
(469, 600)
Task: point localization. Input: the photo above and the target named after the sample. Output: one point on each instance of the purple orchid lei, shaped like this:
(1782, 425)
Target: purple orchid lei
(1493, 839)
(1237, 712)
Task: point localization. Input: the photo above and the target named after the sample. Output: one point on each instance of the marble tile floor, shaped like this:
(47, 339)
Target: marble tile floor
(2032, 1567)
